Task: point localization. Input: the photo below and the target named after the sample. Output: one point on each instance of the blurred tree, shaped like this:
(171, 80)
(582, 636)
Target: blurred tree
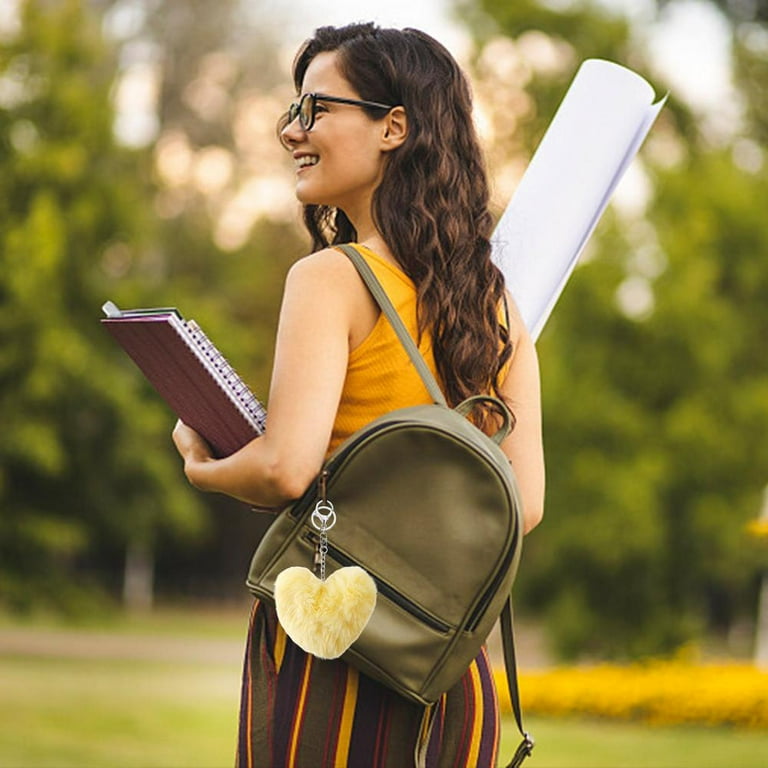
(138, 162)
(225, 229)
(82, 470)
(749, 26)
(655, 383)
(222, 196)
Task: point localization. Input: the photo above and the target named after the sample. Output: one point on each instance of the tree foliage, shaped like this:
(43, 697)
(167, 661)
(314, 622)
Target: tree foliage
(81, 468)
(225, 233)
(655, 384)
(88, 471)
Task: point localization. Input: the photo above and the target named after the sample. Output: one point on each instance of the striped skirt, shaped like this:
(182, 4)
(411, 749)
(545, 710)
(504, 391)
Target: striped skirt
(301, 712)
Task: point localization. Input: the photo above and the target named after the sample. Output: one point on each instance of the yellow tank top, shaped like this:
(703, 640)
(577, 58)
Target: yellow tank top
(380, 375)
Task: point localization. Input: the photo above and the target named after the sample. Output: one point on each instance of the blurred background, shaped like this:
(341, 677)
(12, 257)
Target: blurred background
(138, 163)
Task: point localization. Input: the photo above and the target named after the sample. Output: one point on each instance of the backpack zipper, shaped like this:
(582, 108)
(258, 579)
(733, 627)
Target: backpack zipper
(385, 589)
(478, 611)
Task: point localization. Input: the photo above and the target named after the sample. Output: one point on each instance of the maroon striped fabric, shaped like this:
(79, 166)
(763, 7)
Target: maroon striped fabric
(301, 712)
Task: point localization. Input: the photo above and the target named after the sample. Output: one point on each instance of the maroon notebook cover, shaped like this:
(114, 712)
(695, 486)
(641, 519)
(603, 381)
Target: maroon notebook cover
(166, 355)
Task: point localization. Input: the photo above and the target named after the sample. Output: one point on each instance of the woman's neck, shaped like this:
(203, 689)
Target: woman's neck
(375, 242)
(369, 236)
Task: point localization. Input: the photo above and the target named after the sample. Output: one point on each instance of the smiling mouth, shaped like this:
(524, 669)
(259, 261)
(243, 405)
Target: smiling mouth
(306, 160)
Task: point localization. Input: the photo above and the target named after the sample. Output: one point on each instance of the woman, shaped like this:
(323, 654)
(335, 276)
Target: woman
(386, 156)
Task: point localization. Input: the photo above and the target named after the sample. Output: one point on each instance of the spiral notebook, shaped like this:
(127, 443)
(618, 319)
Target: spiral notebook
(189, 373)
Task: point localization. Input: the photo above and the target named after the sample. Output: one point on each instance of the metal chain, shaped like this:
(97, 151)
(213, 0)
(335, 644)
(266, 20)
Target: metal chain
(323, 519)
(323, 552)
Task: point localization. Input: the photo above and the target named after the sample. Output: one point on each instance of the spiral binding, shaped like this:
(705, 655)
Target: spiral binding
(235, 386)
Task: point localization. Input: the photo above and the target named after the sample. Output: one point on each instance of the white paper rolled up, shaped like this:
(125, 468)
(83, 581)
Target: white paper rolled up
(600, 124)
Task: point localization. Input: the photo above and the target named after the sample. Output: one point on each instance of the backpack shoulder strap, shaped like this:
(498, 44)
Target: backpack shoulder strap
(378, 293)
(508, 644)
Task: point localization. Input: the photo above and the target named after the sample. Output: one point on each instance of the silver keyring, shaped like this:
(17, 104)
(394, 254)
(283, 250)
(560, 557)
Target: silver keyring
(323, 522)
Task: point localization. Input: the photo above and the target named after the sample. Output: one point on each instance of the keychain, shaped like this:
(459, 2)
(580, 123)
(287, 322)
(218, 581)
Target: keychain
(324, 614)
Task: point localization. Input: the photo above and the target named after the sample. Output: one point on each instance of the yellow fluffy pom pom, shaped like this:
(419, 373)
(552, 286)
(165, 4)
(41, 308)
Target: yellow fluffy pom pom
(324, 618)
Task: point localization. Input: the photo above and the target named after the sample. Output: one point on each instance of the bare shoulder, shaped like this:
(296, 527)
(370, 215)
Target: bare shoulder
(326, 282)
(325, 267)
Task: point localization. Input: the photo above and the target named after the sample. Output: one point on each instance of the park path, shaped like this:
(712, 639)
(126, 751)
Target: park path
(116, 644)
(83, 643)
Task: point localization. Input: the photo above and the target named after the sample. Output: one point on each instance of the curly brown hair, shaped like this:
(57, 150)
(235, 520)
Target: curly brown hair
(431, 206)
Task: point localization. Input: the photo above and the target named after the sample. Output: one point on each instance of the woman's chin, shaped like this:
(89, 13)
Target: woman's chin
(307, 197)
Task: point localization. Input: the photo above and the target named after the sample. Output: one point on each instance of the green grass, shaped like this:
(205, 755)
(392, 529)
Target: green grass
(80, 713)
(92, 712)
(566, 743)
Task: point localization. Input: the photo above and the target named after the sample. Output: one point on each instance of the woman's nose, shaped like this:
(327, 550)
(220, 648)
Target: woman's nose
(292, 132)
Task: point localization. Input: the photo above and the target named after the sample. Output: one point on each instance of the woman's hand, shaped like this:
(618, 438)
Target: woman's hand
(193, 449)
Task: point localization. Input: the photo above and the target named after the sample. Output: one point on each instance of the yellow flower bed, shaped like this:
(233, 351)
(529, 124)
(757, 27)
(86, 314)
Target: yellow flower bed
(758, 528)
(659, 692)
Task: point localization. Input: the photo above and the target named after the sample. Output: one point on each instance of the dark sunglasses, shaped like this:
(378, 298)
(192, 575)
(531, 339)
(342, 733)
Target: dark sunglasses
(306, 107)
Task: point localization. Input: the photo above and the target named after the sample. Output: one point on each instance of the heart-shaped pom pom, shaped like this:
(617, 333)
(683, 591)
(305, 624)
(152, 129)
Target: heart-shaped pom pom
(324, 617)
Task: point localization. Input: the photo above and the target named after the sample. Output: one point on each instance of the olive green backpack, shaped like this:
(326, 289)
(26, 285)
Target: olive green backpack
(428, 505)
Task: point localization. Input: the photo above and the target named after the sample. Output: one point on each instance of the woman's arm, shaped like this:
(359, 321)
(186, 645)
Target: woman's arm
(309, 368)
(524, 446)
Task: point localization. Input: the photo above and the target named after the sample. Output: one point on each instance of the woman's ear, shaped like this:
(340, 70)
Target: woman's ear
(395, 129)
